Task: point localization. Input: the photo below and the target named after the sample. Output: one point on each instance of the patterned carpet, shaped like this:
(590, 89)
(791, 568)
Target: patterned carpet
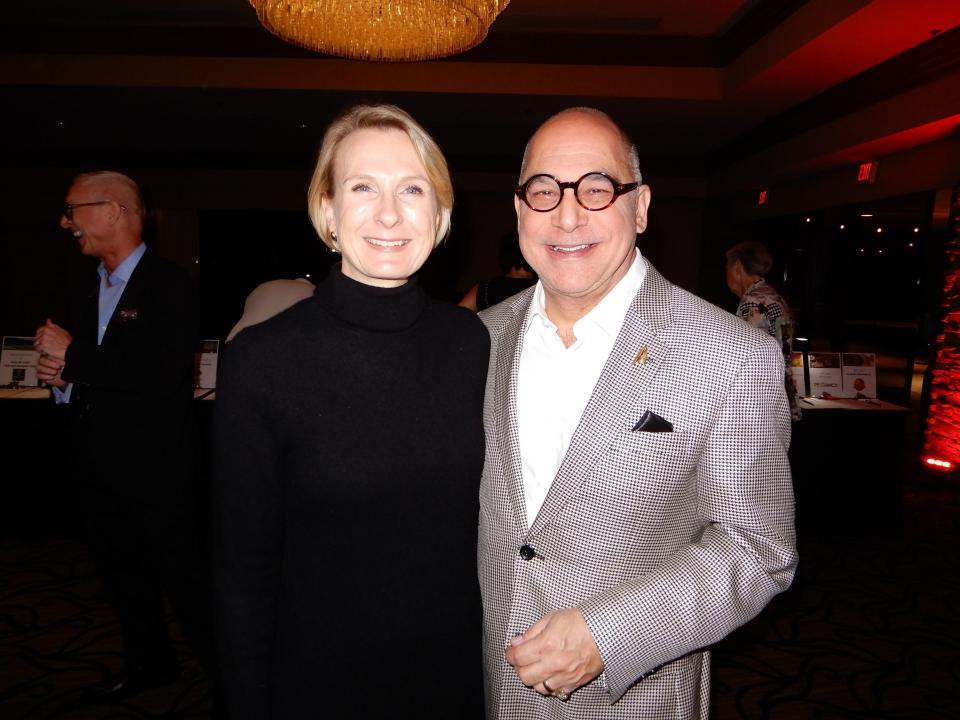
(870, 629)
(58, 635)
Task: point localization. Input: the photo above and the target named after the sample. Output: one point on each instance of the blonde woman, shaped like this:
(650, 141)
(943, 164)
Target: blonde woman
(348, 450)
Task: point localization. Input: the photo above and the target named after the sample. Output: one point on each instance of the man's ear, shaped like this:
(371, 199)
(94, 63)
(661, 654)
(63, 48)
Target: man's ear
(643, 205)
(115, 211)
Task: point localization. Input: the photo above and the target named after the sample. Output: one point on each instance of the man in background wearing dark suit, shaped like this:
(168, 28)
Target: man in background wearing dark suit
(123, 367)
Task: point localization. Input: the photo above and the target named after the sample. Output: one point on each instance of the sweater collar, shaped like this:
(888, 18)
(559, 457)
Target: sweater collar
(368, 306)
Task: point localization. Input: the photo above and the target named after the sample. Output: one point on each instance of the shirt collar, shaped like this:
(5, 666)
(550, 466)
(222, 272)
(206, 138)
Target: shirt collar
(607, 314)
(124, 269)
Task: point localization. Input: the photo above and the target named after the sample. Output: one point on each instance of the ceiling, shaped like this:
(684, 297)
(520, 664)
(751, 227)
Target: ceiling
(732, 88)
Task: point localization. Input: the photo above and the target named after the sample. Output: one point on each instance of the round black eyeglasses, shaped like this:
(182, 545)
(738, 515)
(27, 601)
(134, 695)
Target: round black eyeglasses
(594, 191)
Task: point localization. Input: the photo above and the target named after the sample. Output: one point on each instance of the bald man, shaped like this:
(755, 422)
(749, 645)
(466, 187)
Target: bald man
(636, 501)
(122, 366)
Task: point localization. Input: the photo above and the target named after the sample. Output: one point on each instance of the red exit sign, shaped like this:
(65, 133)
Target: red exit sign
(867, 172)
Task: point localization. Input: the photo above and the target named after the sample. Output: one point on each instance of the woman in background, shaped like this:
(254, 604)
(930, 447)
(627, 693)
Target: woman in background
(748, 263)
(348, 452)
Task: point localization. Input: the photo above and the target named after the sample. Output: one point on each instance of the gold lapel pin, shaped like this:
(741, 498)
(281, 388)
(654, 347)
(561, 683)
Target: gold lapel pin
(641, 357)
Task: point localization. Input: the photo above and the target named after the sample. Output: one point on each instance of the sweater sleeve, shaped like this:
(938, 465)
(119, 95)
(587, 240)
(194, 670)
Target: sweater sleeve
(248, 529)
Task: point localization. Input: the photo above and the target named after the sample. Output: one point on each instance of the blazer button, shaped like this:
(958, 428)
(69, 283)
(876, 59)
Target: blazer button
(527, 552)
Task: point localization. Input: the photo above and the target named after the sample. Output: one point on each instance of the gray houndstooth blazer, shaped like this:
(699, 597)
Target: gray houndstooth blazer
(666, 541)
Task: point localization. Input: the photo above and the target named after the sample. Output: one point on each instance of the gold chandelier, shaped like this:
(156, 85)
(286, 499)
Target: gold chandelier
(389, 30)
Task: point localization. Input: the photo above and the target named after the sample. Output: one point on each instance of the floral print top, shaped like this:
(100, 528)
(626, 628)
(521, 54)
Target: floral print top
(762, 307)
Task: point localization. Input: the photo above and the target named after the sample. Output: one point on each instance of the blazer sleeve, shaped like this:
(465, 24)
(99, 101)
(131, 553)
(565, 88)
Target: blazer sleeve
(743, 556)
(248, 530)
(150, 355)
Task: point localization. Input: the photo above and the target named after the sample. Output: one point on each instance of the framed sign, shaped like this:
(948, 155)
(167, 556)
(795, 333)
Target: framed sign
(18, 362)
(859, 375)
(205, 364)
(825, 377)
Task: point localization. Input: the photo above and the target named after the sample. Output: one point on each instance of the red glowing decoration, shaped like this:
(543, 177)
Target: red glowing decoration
(942, 433)
(762, 198)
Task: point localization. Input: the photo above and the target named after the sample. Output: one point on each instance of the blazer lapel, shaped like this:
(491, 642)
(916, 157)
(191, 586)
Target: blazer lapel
(88, 319)
(638, 353)
(506, 394)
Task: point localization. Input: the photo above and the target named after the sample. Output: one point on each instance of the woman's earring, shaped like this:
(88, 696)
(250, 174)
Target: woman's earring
(333, 236)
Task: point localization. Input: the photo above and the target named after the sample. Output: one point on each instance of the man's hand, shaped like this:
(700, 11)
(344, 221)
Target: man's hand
(48, 370)
(558, 650)
(51, 339)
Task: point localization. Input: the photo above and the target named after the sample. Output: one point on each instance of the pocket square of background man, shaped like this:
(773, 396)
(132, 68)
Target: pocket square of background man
(651, 422)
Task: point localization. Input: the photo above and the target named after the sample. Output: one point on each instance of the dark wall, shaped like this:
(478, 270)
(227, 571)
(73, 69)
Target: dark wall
(851, 287)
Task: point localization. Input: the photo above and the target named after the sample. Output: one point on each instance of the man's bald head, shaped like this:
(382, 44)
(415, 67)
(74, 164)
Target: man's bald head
(630, 155)
(119, 188)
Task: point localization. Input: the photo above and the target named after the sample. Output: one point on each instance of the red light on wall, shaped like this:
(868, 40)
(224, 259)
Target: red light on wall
(938, 463)
(762, 198)
(941, 445)
(867, 172)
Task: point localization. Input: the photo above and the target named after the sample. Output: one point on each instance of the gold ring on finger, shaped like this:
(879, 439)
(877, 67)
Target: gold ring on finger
(560, 693)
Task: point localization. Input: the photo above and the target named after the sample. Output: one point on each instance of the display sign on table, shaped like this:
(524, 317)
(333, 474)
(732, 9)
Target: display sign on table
(18, 362)
(796, 369)
(206, 364)
(859, 375)
(826, 378)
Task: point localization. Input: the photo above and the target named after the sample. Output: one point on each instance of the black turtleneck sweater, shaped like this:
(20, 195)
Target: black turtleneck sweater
(348, 451)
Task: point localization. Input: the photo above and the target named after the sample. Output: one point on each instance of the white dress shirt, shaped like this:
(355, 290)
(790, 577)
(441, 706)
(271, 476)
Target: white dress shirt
(555, 382)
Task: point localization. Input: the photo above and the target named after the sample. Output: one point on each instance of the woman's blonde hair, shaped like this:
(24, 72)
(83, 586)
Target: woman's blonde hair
(378, 117)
